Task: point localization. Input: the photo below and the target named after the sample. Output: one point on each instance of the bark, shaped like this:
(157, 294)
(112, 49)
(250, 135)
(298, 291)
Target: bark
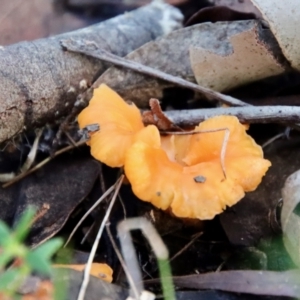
(40, 81)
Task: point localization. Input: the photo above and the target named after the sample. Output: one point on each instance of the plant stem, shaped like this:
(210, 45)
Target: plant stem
(165, 275)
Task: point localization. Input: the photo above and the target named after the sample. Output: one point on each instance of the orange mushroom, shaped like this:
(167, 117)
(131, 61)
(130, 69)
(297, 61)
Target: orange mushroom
(184, 173)
(118, 122)
(195, 175)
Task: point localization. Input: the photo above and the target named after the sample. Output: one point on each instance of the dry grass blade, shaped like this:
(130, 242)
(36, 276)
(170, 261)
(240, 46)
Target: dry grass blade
(110, 190)
(33, 151)
(189, 244)
(86, 275)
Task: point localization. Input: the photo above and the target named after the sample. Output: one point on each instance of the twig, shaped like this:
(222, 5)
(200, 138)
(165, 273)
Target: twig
(87, 233)
(92, 49)
(86, 274)
(189, 244)
(250, 114)
(285, 134)
(42, 163)
(123, 206)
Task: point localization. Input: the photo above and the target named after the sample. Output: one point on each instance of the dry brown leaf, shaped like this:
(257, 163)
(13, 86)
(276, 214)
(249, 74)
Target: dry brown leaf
(250, 60)
(53, 192)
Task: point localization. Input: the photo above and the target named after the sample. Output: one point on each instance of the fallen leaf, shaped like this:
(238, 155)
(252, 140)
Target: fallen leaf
(283, 18)
(250, 59)
(250, 282)
(55, 190)
(290, 221)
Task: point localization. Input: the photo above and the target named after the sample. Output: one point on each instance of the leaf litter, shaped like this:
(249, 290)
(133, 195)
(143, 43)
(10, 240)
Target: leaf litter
(253, 223)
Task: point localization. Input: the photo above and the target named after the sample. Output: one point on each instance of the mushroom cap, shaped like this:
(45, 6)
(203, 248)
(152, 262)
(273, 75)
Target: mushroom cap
(243, 157)
(191, 182)
(118, 121)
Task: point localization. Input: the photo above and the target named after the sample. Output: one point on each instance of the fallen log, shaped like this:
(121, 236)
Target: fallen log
(39, 81)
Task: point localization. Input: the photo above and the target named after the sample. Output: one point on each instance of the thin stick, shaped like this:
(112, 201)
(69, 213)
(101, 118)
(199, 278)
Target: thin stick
(123, 206)
(86, 274)
(90, 210)
(273, 139)
(189, 244)
(87, 233)
(250, 114)
(122, 262)
(92, 49)
(42, 163)
(70, 138)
